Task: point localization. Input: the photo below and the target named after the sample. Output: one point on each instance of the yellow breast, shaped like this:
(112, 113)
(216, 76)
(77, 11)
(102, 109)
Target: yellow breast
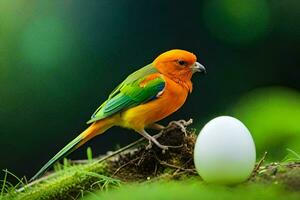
(172, 98)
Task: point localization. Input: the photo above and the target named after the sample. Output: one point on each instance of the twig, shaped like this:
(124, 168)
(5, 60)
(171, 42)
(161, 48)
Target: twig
(36, 182)
(175, 166)
(155, 169)
(175, 173)
(260, 162)
(170, 165)
(142, 158)
(84, 161)
(124, 165)
(120, 150)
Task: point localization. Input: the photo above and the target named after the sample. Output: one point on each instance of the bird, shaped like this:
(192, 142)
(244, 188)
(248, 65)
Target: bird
(145, 97)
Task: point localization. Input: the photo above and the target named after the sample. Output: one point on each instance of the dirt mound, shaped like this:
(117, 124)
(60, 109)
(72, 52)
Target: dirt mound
(142, 164)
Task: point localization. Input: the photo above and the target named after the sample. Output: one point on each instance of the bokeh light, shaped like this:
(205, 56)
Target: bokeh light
(235, 21)
(273, 116)
(46, 42)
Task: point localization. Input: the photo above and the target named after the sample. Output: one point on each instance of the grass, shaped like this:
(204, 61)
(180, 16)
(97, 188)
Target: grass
(89, 154)
(195, 189)
(68, 181)
(8, 188)
(292, 156)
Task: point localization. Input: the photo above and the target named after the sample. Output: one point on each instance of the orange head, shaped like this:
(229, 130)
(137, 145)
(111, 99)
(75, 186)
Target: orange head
(179, 65)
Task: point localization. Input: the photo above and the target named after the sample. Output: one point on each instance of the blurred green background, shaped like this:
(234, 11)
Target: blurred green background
(60, 59)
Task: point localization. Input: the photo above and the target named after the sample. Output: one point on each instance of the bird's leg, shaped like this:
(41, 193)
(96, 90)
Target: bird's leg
(158, 127)
(152, 139)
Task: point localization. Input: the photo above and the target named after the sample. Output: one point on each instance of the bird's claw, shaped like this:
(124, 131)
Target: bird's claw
(163, 147)
(149, 146)
(182, 124)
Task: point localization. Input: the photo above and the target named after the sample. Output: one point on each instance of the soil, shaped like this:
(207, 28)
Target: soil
(142, 164)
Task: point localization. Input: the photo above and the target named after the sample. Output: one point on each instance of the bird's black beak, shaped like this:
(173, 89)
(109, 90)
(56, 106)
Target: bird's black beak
(197, 67)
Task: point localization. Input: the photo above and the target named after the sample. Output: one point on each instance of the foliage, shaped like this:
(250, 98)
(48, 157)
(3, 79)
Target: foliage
(272, 116)
(195, 189)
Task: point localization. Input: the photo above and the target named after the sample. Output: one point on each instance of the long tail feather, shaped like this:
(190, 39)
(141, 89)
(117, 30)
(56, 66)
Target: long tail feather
(95, 129)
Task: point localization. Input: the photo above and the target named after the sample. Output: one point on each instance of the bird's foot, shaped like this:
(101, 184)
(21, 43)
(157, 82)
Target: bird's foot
(149, 146)
(153, 140)
(182, 124)
(163, 147)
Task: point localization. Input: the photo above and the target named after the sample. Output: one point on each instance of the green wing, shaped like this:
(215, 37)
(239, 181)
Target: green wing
(129, 93)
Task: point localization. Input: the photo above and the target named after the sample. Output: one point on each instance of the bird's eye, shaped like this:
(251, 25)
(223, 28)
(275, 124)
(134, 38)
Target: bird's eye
(181, 62)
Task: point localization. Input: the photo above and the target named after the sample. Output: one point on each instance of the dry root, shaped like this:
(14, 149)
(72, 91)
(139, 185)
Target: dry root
(142, 164)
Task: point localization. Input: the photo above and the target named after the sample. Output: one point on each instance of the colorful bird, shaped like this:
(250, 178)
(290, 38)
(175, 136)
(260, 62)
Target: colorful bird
(143, 98)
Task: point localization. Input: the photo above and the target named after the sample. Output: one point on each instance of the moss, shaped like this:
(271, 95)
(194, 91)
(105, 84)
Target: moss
(286, 174)
(68, 183)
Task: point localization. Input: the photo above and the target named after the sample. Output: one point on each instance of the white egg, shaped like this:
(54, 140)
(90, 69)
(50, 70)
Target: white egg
(224, 151)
